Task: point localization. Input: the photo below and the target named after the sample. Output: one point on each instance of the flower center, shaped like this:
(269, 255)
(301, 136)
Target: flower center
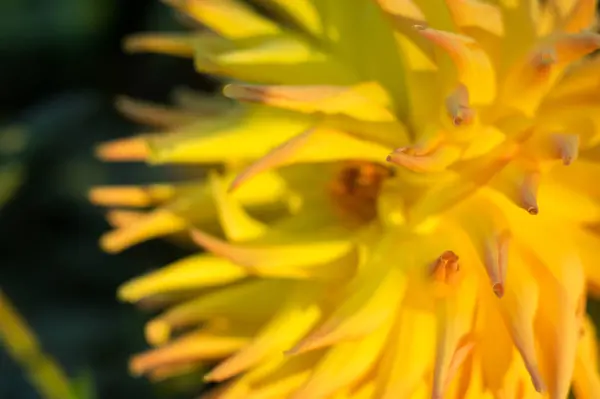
(356, 188)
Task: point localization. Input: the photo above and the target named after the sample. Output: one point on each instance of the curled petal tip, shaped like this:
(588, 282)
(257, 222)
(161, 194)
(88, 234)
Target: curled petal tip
(458, 107)
(498, 289)
(533, 210)
(463, 117)
(158, 332)
(529, 189)
(567, 146)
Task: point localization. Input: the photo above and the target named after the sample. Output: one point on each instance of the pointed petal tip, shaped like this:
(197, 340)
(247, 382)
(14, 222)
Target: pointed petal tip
(533, 210)
(157, 332)
(538, 384)
(529, 192)
(127, 149)
(457, 105)
(567, 146)
(109, 242)
(498, 289)
(212, 377)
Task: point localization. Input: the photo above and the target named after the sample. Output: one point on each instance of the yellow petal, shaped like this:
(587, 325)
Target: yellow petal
(343, 27)
(289, 324)
(193, 272)
(344, 365)
(157, 223)
(370, 304)
(324, 259)
(559, 273)
(367, 101)
(410, 350)
(212, 141)
(580, 17)
(181, 45)
(476, 14)
(586, 382)
(278, 60)
(249, 301)
(302, 12)
(131, 196)
(235, 222)
(193, 347)
(521, 17)
(437, 14)
(518, 308)
(455, 317)
(495, 347)
(126, 149)
(421, 72)
(280, 377)
(230, 18)
(558, 332)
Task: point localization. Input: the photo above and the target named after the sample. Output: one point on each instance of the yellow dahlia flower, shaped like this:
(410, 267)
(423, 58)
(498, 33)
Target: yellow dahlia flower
(389, 212)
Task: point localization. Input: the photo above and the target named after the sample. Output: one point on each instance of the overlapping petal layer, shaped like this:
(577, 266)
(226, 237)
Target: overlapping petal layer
(403, 202)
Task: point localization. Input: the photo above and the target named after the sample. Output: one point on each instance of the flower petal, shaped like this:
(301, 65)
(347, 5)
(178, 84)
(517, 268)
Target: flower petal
(344, 365)
(289, 324)
(193, 272)
(367, 101)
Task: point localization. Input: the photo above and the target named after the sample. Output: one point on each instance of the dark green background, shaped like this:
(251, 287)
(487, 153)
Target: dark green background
(61, 66)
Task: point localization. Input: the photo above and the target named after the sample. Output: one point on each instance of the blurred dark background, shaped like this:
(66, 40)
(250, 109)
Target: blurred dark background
(61, 66)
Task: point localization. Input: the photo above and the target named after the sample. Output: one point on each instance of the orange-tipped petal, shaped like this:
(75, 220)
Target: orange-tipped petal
(194, 272)
(191, 348)
(367, 101)
(134, 196)
(127, 149)
(172, 44)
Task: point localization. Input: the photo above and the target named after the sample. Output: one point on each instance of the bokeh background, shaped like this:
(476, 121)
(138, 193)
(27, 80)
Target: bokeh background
(61, 67)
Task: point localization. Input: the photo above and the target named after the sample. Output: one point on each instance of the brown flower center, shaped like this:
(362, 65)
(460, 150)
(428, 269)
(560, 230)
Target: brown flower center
(356, 189)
